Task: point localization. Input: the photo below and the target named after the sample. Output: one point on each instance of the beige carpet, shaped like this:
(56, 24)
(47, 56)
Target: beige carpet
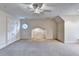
(45, 48)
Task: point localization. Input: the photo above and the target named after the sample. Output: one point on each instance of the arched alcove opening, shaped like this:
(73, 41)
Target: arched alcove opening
(38, 34)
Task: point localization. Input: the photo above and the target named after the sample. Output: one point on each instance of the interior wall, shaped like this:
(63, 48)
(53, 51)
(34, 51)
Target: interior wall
(7, 25)
(48, 24)
(59, 28)
(2, 29)
(71, 28)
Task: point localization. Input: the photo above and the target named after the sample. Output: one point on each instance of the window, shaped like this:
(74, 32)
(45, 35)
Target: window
(24, 26)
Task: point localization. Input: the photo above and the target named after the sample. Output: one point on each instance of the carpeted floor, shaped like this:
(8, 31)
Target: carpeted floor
(45, 48)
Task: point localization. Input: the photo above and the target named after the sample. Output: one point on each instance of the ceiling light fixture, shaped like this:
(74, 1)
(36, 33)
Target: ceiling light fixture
(37, 7)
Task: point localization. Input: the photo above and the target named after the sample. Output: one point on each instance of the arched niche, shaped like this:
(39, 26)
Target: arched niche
(38, 33)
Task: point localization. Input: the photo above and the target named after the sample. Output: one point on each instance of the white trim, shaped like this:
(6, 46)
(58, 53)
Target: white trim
(70, 42)
(2, 45)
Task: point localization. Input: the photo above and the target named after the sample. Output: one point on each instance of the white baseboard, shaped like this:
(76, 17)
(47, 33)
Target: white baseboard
(2, 45)
(70, 42)
(12, 41)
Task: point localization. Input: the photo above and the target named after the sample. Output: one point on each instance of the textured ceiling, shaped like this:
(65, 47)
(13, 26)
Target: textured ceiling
(56, 9)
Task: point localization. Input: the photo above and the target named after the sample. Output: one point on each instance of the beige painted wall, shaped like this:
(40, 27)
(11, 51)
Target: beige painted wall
(2, 29)
(60, 31)
(48, 24)
(59, 28)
